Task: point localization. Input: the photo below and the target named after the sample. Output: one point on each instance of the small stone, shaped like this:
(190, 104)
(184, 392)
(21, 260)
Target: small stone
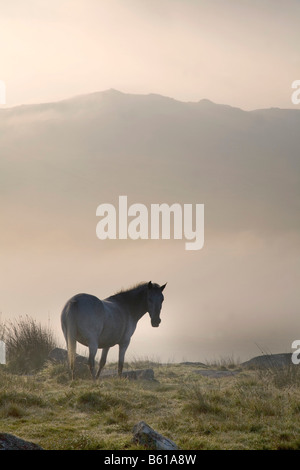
(146, 436)
(11, 442)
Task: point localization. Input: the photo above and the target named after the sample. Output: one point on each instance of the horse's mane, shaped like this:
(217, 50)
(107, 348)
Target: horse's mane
(135, 289)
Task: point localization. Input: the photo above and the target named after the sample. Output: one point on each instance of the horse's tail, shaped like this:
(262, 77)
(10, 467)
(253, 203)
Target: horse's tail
(69, 329)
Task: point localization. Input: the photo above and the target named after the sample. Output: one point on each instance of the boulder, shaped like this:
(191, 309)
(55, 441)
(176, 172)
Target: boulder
(216, 374)
(269, 360)
(139, 374)
(196, 364)
(11, 442)
(146, 436)
(61, 356)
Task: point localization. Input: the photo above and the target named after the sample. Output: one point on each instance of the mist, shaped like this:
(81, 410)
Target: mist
(60, 160)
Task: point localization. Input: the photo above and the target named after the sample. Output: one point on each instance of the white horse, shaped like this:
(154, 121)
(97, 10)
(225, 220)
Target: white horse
(101, 324)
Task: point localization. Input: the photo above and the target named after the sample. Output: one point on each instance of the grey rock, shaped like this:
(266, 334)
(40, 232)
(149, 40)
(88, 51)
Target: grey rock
(11, 442)
(217, 373)
(269, 360)
(139, 374)
(146, 436)
(61, 356)
(197, 364)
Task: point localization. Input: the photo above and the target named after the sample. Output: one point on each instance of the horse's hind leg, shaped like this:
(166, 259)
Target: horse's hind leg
(92, 353)
(71, 346)
(102, 361)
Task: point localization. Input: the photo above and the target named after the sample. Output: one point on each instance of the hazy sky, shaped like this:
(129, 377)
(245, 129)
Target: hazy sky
(242, 288)
(244, 53)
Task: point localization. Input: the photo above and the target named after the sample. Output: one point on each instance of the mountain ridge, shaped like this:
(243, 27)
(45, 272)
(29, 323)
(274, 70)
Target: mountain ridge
(116, 94)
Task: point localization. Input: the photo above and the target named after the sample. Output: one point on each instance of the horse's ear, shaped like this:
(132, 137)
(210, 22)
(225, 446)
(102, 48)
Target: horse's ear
(150, 285)
(162, 287)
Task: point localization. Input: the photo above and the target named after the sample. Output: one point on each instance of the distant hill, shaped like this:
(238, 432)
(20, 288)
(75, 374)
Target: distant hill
(244, 165)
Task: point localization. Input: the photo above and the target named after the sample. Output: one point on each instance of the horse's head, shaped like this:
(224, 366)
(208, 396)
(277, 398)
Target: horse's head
(155, 299)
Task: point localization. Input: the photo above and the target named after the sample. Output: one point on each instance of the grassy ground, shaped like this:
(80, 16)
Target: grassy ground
(249, 410)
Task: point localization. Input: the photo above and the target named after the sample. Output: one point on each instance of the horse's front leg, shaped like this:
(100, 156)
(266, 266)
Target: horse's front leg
(122, 350)
(102, 361)
(91, 361)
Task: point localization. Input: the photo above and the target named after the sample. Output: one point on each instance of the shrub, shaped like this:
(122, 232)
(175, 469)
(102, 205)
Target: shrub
(27, 345)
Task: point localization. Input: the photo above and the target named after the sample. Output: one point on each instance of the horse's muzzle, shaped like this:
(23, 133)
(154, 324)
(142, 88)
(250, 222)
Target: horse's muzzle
(155, 323)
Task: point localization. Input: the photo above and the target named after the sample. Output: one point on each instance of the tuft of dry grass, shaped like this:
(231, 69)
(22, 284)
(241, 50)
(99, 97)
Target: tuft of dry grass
(28, 344)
